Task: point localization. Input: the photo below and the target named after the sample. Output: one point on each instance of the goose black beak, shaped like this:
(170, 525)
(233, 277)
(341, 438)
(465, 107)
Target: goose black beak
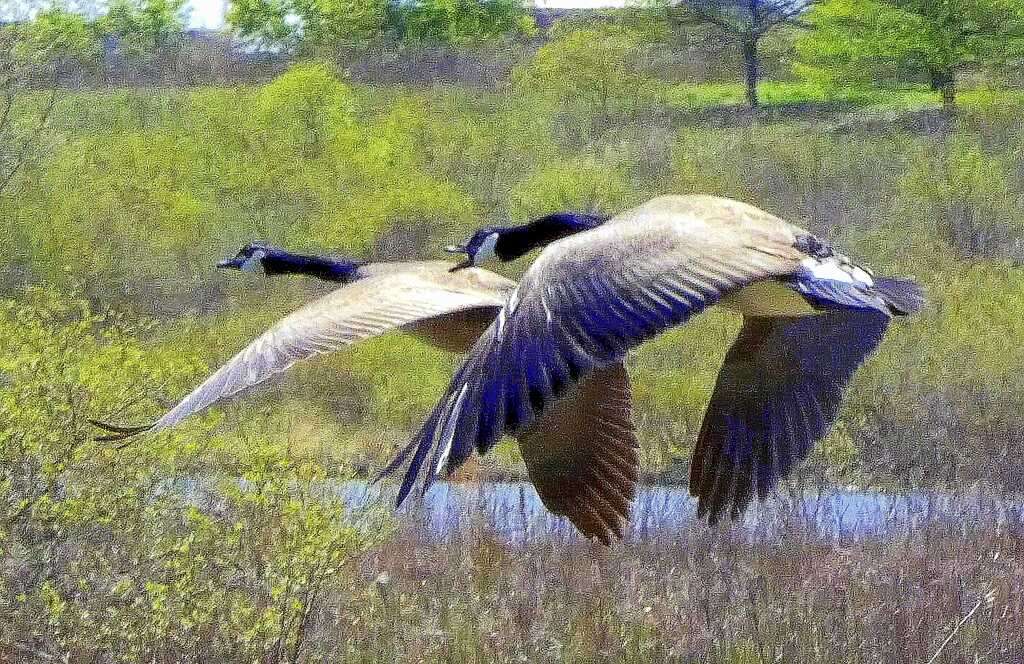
(459, 249)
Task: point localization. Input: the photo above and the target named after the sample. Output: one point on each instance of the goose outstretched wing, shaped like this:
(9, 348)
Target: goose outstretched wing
(363, 309)
(583, 457)
(778, 392)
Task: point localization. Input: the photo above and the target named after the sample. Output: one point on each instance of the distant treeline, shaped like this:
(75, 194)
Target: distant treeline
(217, 57)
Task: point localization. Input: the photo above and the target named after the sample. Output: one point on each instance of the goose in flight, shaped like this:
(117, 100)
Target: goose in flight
(810, 317)
(582, 456)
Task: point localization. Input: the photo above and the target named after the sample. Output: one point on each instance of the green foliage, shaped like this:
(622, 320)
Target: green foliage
(321, 24)
(831, 183)
(143, 25)
(53, 35)
(964, 196)
(123, 552)
(463, 21)
(930, 40)
(389, 187)
(588, 74)
(585, 185)
(33, 54)
(417, 374)
(673, 376)
(306, 107)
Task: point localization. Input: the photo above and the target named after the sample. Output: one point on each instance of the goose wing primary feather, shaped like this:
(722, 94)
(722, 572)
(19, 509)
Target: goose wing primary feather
(583, 457)
(366, 308)
(779, 391)
(585, 302)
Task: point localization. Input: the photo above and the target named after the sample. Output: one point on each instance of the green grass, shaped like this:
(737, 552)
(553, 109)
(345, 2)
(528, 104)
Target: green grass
(119, 110)
(685, 96)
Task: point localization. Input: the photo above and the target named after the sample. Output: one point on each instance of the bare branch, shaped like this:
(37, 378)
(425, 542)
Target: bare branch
(750, 19)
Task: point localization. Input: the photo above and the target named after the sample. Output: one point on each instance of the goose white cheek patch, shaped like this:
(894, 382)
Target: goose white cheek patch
(486, 250)
(254, 262)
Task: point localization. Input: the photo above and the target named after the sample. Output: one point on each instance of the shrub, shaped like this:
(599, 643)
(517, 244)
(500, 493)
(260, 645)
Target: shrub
(965, 196)
(584, 185)
(144, 553)
(588, 74)
(305, 107)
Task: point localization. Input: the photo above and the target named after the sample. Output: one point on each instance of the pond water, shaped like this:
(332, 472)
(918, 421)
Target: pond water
(514, 511)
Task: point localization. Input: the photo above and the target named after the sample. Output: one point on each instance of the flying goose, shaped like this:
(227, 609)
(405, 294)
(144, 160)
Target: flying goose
(810, 317)
(582, 456)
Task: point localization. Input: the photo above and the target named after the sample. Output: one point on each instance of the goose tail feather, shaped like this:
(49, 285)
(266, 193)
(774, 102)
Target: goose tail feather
(903, 296)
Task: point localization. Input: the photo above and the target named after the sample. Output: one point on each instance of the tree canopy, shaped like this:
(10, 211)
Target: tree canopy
(290, 23)
(745, 22)
(143, 25)
(462, 21)
(314, 24)
(930, 39)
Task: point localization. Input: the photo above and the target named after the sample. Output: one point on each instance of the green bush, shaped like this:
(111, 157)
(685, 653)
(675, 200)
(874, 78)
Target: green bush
(588, 75)
(965, 196)
(148, 552)
(305, 107)
(584, 185)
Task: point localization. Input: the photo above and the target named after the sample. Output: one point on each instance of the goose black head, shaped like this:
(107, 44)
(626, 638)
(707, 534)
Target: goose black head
(271, 260)
(507, 243)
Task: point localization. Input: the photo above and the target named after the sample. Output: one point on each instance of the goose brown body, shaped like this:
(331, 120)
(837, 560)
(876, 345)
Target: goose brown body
(811, 317)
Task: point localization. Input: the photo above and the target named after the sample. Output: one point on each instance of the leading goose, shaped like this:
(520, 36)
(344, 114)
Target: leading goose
(588, 436)
(810, 317)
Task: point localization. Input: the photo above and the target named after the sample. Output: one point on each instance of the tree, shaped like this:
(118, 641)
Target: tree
(32, 56)
(305, 107)
(587, 72)
(310, 23)
(326, 24)
(143, 26)
(935, 39)
(745, 22)
(462, 21)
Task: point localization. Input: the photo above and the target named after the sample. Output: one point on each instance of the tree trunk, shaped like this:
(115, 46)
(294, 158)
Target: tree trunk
(751, 68)
(944, 82)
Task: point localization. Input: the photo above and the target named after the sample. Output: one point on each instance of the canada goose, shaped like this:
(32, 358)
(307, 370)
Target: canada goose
(810, 317)
(449, 308)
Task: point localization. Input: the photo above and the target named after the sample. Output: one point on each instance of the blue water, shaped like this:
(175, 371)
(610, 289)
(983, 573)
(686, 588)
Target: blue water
(513, 511)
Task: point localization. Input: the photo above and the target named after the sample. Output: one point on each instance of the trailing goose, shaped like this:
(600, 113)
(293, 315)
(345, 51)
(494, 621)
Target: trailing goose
(582, 456)
(810, 317)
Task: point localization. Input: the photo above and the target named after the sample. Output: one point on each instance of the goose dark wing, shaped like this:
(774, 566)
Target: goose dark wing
(583, 456)
(582, 305)
(778, 392)
(366, 308)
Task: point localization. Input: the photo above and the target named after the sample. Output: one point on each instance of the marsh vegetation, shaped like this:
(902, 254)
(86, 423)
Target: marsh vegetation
(115, 203)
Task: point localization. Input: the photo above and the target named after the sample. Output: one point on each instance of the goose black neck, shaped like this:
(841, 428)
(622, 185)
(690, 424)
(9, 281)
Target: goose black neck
(520, 240)
(328, 269)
